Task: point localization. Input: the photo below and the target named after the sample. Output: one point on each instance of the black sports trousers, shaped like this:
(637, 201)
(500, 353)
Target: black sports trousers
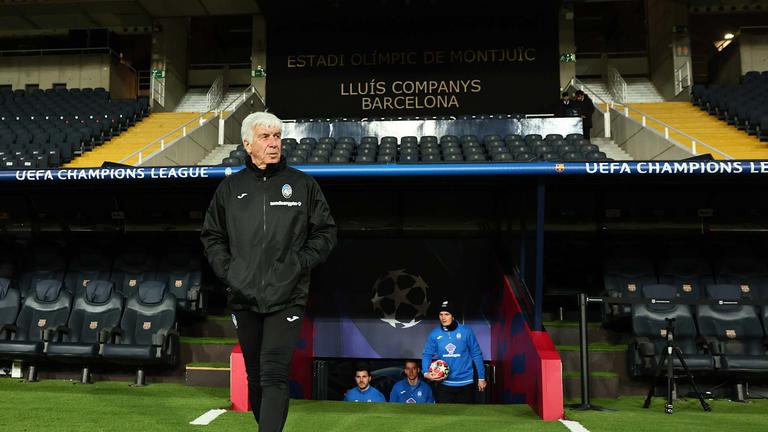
(455, 394)
(267, 341)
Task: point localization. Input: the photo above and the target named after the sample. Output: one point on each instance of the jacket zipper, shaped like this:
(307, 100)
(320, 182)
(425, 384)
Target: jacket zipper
(264, 230)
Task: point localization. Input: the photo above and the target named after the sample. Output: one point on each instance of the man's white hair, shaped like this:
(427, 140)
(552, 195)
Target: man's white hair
(258, 119)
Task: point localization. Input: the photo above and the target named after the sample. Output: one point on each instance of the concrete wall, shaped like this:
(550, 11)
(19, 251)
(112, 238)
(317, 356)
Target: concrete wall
(259, 53)
(123, 82)
(754, 51)
(567, 34)
(728, 68)
(662, 16)
(625, 65)
(206, 77)
(170, 53)
(643, 143)
(198, 143)
(77, 71)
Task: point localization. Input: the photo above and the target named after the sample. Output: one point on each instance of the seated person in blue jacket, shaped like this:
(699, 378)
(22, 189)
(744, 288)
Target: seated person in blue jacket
(457, 345)
(363, 392)
(411, 389)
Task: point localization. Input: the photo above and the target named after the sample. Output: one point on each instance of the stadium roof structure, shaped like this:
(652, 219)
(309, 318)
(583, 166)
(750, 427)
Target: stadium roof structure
(37, 15)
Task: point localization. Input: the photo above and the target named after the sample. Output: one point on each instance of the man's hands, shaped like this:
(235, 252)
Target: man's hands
(481, 383)
(433, 376)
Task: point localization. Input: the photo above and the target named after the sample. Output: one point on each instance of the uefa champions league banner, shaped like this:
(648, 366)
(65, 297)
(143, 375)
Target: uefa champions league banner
(196, 173)
(367, 59)
(379, 298)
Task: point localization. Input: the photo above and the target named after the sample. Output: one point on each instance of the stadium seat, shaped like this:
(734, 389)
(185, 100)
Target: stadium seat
(44, 261)
(88, 265)
(230, 161)
(43, 311)
(733, 332)
(96, 312)
(649, 328)
(10, 301)
(131, 268)
(624, 277)
(147, 333)
(182, 273)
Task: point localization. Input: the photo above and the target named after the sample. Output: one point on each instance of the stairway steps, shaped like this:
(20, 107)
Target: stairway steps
(700, 125)
(142, 133)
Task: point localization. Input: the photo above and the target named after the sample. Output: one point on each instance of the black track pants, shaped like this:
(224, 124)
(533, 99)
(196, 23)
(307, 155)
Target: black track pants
(450, 394)
(267, 341)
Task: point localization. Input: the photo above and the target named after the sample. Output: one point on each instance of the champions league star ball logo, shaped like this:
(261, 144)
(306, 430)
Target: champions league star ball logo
(400, 299)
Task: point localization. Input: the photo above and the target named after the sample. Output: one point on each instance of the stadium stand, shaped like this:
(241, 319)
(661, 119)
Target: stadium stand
(44, 129)
(431, 149)
(740, 105)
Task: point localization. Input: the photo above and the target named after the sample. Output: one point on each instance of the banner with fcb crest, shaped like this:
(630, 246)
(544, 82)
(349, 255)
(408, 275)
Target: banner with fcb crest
(379, 298)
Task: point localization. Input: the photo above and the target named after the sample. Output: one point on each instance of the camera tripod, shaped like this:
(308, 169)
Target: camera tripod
(667, 357)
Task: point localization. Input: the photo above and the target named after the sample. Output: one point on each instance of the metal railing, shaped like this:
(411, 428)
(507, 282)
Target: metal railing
(683, 78)
(666, 130)
(616, 85)
(182, 131)
(215, 93)
(230, 108)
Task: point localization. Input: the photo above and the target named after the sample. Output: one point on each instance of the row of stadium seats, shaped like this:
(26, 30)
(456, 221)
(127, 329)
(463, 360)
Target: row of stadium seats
(716, 337)
(407, 118)
(430, 149)
(624, 277)
(180, 270)
(60, 124)
(741, 105)
(96, 325)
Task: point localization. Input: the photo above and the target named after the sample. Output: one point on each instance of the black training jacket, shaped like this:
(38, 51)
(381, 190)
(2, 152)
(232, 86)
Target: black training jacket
(263, 232)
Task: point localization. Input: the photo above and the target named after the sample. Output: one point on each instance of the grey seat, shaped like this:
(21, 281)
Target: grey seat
(147, 334)
(182, 272)
(95, 313)
(733, 332)
(649, 329)
(10, 302)
(42, 313)
(131, 268)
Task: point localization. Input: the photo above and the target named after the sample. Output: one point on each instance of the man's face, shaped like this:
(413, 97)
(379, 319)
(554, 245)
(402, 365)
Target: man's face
(579, 98)
(566, 97)
(363, 379)
(411, 370)
(446, 318)
(265, 147)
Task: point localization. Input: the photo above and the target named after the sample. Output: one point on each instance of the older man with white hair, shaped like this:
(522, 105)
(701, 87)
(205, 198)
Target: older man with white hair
(266, 227)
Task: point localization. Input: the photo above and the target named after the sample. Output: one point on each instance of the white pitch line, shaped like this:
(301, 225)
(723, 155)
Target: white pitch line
(574, 426)
(208, 417)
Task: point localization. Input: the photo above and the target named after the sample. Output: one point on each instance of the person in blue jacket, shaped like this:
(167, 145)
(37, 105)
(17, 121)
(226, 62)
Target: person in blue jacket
(457, 345)
(411, 389)
(363, 392)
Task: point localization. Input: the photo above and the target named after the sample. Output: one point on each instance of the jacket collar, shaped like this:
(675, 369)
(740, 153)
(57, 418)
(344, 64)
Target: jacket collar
(269, 171)
(451, 327)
